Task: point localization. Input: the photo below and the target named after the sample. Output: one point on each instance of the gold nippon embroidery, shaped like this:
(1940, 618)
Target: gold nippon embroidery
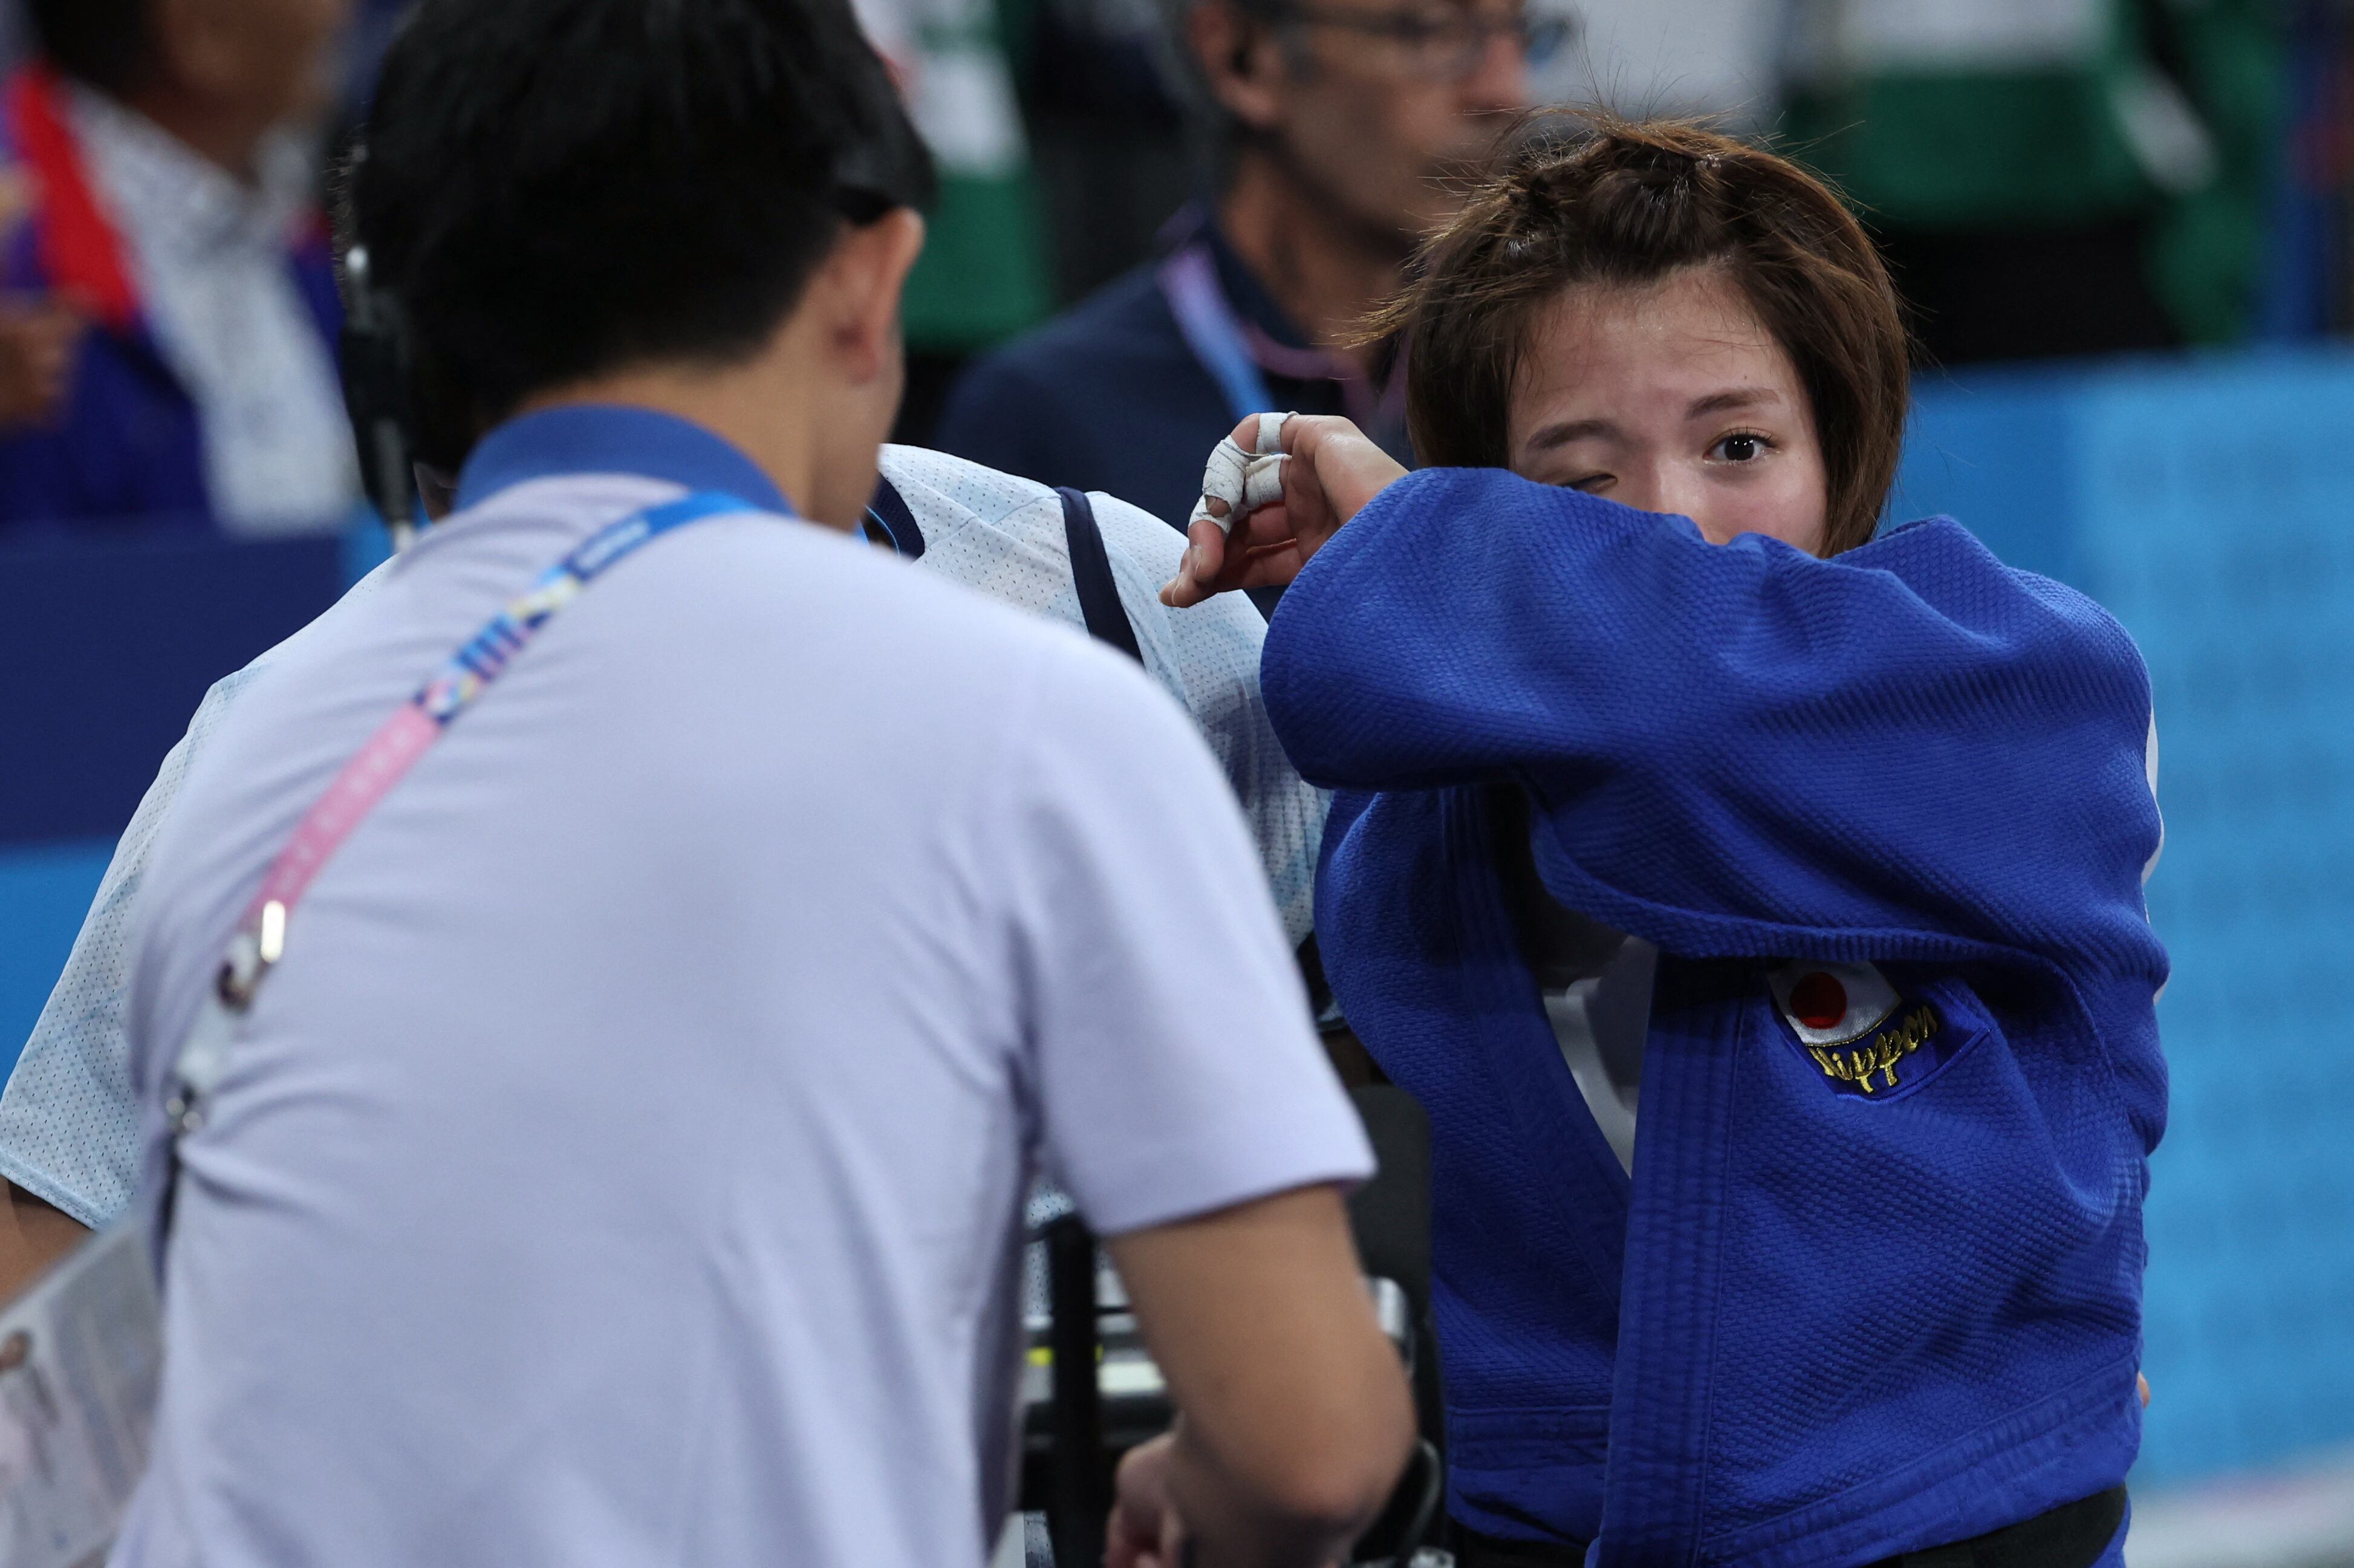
(1878, 1059)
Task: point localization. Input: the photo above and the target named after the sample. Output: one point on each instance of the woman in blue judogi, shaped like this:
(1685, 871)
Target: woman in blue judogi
(1839, 1260)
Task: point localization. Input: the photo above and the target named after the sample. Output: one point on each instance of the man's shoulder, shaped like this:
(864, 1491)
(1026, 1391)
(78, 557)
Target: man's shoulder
(1127, 318)
(1106, 396)
(971, 516)
(983, 636)
(954, 624)
(949, 494)
(946, 492)
(1121, 329)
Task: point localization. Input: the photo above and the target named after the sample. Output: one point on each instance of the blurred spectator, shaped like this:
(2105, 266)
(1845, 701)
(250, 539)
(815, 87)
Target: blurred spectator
(1107, 131)
(2051, 177)
(173, 170)
(36, 347)
(36, 332)
(1338, 121)
(2309, 290)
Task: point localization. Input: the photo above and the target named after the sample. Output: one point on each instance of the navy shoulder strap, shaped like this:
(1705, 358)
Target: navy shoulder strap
(1091, 571)
(889, 511)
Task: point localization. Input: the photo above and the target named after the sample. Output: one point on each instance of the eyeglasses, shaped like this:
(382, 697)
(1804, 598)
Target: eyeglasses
(1444, 43)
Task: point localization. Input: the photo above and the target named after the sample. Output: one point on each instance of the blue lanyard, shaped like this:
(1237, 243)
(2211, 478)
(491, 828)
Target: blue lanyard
(1189, 280)
(414, 728)
(380, 765)
(485, 657)
(366, 780)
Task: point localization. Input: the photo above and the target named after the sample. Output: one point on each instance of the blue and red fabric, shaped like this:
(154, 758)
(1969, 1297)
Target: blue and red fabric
(126, 447)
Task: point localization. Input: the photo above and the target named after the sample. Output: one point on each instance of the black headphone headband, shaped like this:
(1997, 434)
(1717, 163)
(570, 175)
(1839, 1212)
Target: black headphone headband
(376, 353)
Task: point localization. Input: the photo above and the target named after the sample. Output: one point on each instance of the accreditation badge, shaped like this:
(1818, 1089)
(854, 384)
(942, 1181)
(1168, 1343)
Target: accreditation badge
(80, 1358)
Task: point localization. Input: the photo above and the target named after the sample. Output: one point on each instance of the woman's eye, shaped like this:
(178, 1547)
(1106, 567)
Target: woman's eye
(1739, 449)
(1593, 483)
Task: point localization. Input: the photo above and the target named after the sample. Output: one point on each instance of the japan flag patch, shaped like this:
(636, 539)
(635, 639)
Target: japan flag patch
(1866, 1039)
(1832, 1004)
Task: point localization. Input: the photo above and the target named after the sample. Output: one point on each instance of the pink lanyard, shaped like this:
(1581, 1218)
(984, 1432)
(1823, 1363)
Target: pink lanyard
(382, 763)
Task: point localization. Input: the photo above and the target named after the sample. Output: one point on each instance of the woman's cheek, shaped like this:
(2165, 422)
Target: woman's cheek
(1785, 503)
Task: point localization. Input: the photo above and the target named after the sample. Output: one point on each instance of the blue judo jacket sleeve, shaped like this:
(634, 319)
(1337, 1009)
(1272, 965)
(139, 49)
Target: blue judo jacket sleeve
(1739, 751)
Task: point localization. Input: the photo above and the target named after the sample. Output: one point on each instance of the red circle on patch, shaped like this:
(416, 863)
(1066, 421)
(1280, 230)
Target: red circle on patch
(1818, 1002)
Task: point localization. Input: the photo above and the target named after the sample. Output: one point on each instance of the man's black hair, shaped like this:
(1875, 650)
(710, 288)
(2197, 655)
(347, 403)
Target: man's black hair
(550, 189)
(103, 43)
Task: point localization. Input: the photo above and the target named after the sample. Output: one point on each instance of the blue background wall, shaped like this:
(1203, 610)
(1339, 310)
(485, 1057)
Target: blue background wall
(44, 890)
(2211, 507)
(2209, 504)
(112, 638)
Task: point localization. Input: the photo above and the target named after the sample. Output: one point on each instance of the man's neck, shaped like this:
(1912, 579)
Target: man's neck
(1326, 271)
(760, 414)
(228, 139)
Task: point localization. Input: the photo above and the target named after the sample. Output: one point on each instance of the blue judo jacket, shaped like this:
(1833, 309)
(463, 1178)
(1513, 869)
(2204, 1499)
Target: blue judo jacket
(1854, 1301)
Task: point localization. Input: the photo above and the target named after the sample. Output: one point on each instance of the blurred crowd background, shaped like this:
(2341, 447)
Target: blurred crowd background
(2124, 228)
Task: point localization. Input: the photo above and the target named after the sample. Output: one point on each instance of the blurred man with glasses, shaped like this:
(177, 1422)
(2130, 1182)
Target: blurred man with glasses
(1335, 125)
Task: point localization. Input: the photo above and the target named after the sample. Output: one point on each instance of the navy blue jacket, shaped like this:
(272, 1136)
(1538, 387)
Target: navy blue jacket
(1826, 1323)
(1107, 397)
(127, 445)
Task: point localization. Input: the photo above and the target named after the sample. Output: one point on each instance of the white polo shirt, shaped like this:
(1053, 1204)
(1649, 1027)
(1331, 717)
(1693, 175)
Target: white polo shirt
(69, 1127)
(624, 1163)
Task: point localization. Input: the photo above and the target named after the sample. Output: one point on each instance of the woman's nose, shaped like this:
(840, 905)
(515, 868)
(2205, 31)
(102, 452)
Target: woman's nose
(1665, 488)
(1678, 492)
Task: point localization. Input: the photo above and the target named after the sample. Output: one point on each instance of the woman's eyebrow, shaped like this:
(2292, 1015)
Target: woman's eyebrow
(1569, 431)
(1730, 401)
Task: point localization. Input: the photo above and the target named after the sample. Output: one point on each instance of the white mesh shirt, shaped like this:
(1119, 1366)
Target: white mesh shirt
(69, 1123)
(1004, 536)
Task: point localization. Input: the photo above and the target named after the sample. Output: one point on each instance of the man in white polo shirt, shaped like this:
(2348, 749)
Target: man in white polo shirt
(69, 1124)
(623, 1161)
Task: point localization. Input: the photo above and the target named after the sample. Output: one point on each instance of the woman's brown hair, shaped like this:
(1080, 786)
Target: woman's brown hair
(1607, 201)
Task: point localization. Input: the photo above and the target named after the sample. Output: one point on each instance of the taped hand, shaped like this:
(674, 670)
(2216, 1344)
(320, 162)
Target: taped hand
(1263, 512)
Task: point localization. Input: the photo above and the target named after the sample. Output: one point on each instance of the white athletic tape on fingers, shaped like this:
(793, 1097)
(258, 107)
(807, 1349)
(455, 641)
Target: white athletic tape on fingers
(1244, 481)
(1228, 466)
(1228, 479)
(1263, 481)
(1258, 482)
